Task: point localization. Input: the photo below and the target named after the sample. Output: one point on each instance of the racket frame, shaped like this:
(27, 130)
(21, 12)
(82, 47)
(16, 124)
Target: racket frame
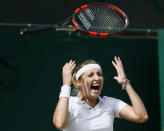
(91, 33)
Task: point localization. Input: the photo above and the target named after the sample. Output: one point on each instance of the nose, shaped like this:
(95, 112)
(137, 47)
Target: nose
(96, 77)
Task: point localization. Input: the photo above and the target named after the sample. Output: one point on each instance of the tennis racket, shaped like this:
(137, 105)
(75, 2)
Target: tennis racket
(99, 19)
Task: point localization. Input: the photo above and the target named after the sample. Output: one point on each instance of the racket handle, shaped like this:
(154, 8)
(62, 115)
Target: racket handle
(26, 31)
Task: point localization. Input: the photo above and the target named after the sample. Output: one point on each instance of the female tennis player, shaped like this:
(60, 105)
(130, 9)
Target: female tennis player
(88, 111)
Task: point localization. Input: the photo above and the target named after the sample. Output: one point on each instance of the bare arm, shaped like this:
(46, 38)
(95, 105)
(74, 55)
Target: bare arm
(60, 118)
(135, 112)
(61, 114)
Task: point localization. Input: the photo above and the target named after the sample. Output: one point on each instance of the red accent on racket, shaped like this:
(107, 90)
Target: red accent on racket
(103, 34)
(100, 19)
(77, 10)
(93, 33)
(84, 7)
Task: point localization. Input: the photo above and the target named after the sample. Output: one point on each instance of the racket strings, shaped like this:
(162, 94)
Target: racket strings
(101, 19)
(115, 21)
(107, 20)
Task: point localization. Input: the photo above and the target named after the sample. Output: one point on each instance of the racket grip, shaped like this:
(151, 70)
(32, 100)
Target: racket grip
(33, 30)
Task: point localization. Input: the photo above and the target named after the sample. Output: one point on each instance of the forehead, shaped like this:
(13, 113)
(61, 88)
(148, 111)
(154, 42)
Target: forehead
(92, 71)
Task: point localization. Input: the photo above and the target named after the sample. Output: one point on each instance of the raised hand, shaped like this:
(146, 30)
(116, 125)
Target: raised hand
(121, 76)
(67, 72)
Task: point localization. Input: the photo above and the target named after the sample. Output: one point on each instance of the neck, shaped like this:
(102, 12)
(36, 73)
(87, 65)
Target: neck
(90, 101)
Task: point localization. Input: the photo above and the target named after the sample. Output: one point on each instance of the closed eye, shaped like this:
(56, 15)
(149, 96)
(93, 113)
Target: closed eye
(99, 74)
(90, 75)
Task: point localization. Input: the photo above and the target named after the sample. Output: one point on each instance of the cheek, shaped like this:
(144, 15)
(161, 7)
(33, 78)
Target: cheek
(87, 82)
(102, 80)
(87, 85)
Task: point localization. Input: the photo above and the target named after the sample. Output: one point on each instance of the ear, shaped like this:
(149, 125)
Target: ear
(78, 84)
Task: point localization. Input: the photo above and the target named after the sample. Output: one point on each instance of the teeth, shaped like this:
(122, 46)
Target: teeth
(96, 85)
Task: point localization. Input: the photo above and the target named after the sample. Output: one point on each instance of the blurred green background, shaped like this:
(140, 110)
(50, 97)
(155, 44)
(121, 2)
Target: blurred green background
(30, 76)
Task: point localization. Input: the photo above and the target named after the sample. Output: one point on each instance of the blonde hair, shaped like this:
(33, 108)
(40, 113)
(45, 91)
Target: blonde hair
(76, 89)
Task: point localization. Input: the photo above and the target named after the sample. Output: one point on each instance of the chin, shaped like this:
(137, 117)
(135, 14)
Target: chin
(95, 95)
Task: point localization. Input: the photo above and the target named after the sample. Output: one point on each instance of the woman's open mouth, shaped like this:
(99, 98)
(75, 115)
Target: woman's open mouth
(95, 88)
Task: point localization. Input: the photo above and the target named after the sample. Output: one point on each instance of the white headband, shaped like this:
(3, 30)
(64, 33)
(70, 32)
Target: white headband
(85, 68)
